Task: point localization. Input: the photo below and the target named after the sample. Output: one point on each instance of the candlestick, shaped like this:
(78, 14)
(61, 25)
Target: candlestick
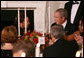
(25, 22)
(43, 26)
(37, 50)
(18, 22)
(23, 54)
(49, 17)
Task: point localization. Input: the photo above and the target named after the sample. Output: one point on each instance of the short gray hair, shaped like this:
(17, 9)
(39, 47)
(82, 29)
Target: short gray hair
(57, 31)
(63, 12)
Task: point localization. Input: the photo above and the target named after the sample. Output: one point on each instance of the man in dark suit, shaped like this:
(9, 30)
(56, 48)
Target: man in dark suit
(61, 19)
(75, 12)
(60, 48)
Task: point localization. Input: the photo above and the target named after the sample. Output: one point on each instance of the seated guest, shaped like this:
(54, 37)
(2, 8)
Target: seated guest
(24, 49)
(8, 38)
(22, 23)
(60, 47)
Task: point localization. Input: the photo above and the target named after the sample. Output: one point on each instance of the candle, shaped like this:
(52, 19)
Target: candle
(43, 26)
(37, 50)
(25, 22)
(18, 22)
(78, 54)
(23, 54)
(49, 17)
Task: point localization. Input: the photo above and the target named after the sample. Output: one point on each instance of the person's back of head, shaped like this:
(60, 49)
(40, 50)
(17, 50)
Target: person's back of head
(9, 34)
(26, 47)
(57, 31)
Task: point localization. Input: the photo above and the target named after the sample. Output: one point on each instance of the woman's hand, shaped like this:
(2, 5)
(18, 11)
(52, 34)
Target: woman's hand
(79, 39)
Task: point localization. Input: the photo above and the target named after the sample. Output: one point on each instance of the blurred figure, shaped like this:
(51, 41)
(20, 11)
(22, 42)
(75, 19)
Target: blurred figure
(24, 49)
(79, 38)
(8, 38)
(22, 23)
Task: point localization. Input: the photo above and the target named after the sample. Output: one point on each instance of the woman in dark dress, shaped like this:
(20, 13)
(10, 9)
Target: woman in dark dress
(8, 38)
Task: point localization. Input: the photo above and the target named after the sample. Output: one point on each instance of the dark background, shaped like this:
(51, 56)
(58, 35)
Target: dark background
(8, 17)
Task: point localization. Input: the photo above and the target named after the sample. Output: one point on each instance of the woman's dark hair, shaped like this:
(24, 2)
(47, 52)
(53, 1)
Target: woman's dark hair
(26, 46)
(9, 34)
(22, 17)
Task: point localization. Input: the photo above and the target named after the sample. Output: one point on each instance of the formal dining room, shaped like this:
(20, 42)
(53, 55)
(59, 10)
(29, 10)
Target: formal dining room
(41, 29)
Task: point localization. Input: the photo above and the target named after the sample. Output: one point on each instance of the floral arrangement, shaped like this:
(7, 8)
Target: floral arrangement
(34, 37)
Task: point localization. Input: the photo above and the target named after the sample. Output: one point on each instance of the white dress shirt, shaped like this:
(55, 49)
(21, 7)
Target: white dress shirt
(74, 11)
(64, 24)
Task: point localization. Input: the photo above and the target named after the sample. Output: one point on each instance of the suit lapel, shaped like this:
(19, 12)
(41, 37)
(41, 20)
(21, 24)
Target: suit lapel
(70, 10)
(68, 28)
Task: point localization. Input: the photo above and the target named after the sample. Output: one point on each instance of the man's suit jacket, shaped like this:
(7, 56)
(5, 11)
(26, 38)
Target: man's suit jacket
(61, 48)
(79, 14)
